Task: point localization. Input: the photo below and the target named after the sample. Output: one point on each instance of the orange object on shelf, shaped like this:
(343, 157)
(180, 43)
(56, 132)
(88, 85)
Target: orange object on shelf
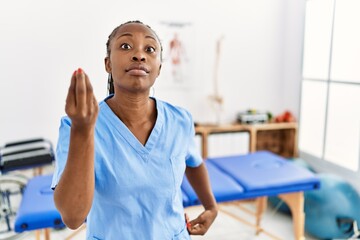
(287, 116)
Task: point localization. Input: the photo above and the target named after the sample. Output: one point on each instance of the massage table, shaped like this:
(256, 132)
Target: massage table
(257, 176)
(26, 154)
(14, 156)
(37, 209)
(233, 178)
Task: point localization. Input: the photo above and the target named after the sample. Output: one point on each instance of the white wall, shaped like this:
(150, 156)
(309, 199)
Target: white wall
(42, 42)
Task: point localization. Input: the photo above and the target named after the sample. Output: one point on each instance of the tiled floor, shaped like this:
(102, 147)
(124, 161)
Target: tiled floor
(225, 227)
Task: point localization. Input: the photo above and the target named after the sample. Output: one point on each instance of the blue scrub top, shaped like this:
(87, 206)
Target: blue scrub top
(137, 188)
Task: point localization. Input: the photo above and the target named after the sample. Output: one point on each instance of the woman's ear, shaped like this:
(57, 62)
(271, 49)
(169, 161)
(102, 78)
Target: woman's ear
(107, 64)
(159, 69)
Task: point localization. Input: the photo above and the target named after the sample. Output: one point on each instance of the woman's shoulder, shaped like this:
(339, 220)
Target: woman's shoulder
(175, 110)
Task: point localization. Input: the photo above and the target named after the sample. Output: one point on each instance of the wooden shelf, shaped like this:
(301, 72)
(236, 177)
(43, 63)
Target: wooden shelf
(280, 138)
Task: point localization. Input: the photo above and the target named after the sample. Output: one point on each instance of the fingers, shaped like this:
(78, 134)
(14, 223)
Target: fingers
(201, 224)
(80, 88)
(89, 90)
(197, 229)
(81, 105)
(187, 220)
(198, 226)
(80, 91)
(70, 99)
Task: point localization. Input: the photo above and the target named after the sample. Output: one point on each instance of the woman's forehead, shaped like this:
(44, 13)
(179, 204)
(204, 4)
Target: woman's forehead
(136, 28)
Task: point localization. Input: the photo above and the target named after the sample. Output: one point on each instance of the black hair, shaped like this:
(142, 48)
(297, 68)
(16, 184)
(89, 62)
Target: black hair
(108, 51)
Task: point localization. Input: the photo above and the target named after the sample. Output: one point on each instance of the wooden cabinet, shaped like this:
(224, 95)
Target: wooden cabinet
(279, 138)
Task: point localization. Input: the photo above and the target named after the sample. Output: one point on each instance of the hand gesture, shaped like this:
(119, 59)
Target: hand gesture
(81, 105)
(202, 223)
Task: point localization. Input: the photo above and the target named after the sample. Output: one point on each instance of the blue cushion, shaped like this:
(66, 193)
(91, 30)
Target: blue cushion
(264, 173)
(223, 186)
(37, 209)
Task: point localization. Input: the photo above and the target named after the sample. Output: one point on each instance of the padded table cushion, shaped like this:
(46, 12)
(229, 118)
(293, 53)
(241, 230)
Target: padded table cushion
(223, 186)
(37, 209)
(25, 154)
(257, 174)
(266, 172)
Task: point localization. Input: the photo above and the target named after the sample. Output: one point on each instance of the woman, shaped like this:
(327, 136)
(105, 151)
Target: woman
(120, 163)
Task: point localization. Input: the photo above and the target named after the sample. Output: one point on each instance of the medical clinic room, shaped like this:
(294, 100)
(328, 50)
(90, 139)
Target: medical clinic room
(180, 120)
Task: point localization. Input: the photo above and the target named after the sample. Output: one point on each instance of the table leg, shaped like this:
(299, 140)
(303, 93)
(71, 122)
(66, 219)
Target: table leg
(295, 202)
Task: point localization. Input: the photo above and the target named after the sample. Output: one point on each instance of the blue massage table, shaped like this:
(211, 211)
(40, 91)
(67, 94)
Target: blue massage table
(251, 176)
(257, 176)
(21, 155)
(37, 209)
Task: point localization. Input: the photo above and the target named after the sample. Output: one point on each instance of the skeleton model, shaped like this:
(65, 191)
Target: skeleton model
(215, 99)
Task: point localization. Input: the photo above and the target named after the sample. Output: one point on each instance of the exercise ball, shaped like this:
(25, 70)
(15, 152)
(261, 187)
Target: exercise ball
(331, 210)
(302, 163)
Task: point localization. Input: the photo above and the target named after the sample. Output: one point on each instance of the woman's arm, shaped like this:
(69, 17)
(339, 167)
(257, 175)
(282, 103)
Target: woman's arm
(74, 192)
(199, 180)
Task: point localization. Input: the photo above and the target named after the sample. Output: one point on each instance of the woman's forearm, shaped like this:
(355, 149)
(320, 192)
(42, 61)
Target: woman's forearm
(199, 180)
(74, 193)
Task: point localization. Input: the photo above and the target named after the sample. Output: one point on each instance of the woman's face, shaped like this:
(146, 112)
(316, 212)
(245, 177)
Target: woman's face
(134, 61)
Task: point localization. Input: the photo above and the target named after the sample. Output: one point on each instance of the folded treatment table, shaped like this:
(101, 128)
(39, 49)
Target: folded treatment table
(257, 176)
(14, 156)
(25, 154)
(37, 209)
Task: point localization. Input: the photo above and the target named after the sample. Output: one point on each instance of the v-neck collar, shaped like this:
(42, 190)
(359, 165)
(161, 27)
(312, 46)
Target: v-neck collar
(119, 126)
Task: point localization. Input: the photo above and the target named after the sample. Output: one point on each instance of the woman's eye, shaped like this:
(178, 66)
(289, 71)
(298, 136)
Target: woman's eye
(125, 46)
(150, 49)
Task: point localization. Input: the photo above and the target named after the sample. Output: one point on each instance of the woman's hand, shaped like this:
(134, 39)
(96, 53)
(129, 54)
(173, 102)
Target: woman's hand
(81, 105)
(74, 192)
(201, 224)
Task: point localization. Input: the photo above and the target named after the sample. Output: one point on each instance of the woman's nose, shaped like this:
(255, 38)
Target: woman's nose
(138, 58)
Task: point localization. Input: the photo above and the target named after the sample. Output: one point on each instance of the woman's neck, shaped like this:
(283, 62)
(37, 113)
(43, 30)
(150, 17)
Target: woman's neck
(133, 110)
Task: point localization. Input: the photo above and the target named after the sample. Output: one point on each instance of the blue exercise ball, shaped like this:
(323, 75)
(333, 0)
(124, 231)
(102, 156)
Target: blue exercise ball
(302, 163)
(331, 210)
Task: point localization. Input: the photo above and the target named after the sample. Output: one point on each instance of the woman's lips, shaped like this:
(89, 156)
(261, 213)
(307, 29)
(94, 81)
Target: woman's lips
(137, 70)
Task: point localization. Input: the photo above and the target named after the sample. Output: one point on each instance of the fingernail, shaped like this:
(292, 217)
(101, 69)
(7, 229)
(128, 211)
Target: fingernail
(80, 70)
(74, 72)
(188, 225)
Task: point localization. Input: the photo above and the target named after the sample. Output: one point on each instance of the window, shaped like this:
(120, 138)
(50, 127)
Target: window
(330, 96)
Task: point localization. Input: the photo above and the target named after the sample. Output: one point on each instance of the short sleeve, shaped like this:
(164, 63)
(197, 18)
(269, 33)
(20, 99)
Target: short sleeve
(193, 158)
(62, 150)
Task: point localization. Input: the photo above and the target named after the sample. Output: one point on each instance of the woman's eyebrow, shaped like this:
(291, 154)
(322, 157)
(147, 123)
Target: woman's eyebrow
(131, 35)
(149, 36)
(124, 35)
